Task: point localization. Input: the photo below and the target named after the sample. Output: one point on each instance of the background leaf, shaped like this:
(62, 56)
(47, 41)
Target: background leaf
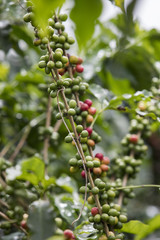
(40, 220)
(43, 10)
(84, 15)
(134, 227)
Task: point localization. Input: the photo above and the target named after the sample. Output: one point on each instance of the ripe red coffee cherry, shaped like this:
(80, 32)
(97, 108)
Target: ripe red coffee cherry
(24, 224)
(88, 102)
(83, 106)
(68, 234)
(99, 156)
(83, 174)
(134, 138)
(89, 130)
(94, 211)
(79, 68)
(106, 160)
(92, 110)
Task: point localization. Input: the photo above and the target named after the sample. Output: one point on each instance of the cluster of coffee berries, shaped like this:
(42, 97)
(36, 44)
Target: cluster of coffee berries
(111, 214)
(106, 215)
(14, 197)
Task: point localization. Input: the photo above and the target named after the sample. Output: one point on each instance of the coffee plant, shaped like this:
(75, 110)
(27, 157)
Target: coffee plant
(62, 130)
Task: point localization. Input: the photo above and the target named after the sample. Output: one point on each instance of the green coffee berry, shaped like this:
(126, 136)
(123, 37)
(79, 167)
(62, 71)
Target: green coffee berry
(72, 103)
(73, 162)
(105, 208)
(84, 133)
(68, 139)
(71, 111)
(42, 64)
(95, 190)
(79, 128)
(97, 218)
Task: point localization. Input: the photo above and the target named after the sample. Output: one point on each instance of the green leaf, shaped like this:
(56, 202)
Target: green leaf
(84, 15)
(100, 93)
(4, 70)
(43, 10)
(33, 170)
(134, 227)
(67, 184)
(40, 220)
(56, 238)
(47, 182)
(153, 224)
(119, 3)
(85, 231)
(66, 207)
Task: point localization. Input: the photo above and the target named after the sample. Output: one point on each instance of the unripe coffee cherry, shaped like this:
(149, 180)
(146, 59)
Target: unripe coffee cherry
(97, 171)
(99, 156)
(71, 111)
(68, 234)
(134, 138)
(72, 103)
(104, 167)
(88, 102)
(42, 64)
(68, 139)
(71, 40)
(91, 143)
(89, 119)
(106, 160)
(91, 200)
(79, 128)
(84, 133)
(50, 64)
(94, 211)
(96, 164)
(80, 60)
(122, 218)
(79, 68)
(73, 162)
(97, 218)
(95, 190)
(105, 208)
(73, 59)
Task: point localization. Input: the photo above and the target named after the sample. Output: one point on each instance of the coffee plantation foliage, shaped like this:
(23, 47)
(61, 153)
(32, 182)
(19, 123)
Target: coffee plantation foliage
(99, 80)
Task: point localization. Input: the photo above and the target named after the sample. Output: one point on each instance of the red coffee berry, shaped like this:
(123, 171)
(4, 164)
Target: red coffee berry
(83, 174)
(94, 211)
(89, 130)
(24, 224)
(133, 138)
(106, 160)
(92, 110)
(79, 68)
(88, 102)
(68, 234)
(99, 155)
(83, 106)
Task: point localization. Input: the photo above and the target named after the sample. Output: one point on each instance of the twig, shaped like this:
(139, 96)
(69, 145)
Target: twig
(48, 123)
(20, 144)
(32, 123)
(138, 186)
(120, 199)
